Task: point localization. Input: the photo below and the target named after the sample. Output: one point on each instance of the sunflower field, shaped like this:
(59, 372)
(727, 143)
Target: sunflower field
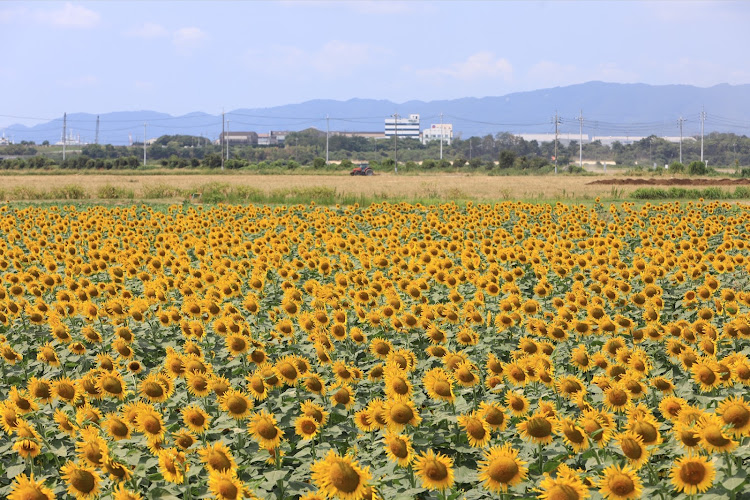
(392, 351)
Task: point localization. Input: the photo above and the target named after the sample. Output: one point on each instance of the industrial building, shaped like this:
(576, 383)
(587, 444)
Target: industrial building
(402, 127)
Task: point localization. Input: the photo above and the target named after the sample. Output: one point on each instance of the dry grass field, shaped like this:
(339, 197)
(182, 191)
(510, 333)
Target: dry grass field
(439, 186)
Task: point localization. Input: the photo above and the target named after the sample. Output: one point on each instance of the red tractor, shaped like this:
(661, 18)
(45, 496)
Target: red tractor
(362, 169)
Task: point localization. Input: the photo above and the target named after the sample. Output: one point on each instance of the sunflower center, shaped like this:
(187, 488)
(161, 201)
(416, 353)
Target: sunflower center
(112, 385)
(631, 448)
(539, 427)
(153, 389)
(617, 397)
(571, 387)
(344, 478)
(692, 473)
(621, 484)
(82, 481)
(314, 384)
(401, 413)
(399, 386)
(119, 429)
(342, 396)
(442, 388)
(267, 430)
(465, 375)
(398, 448)
(574, 435)
(503, 469)
(475, 429)
(591, 427)
(236, 405)
(647, 431)
(736, 415)
(197, 419)
(219, 461)
(316, 414)
(715, 437)
(309, 427)
(689, 437)
(151, 424)
(517, 404)
(288, 371)
(494, 417)
(562, 492)
(435, 470)
(706, 375)
(227, 489)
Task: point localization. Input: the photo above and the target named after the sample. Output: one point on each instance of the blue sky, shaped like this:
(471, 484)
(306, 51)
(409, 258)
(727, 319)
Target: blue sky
(177, 57)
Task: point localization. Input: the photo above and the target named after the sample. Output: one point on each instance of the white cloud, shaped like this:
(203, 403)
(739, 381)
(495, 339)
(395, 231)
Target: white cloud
(482, 65)
(187, 39)
(69, 16)
(148, 31)
(83, 81)
(143, 85)
(333, 60)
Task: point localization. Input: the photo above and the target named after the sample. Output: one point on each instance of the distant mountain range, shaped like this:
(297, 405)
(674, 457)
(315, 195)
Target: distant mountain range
(608, 109)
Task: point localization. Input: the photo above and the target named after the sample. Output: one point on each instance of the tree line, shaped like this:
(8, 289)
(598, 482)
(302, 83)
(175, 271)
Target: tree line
(503, 151)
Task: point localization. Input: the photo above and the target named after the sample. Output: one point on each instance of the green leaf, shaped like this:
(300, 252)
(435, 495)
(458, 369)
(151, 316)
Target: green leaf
(15, 470)
(734, 482)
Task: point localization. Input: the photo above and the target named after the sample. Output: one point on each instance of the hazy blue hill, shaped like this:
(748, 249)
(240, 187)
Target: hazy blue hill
(608, 109)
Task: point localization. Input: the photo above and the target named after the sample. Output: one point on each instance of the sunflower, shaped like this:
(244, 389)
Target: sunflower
(342, 394)
(306, 427)
(217, 457)
(286, 368)
(566, 486)
(633, 448)
(399, 449)
(501, 468)
(713, 436)
(256, 385)
(184, 439)
(596, 427)
(236, 403)
(41, 389)
(314, 410)
(620, 483)
(26, 448)
(117, 471)
(22, 401)
(399, 414)
(83, 481)
(63, 423)
(122, 493)
(671, 406)
(477, 429)
(706, 374)
(172, 465)
(198, 383)
(92, 450)
(517, 403)
(150, 422)
(686, 435)
(439, 385)
(494, 415)
(263, 429)
(225, 485)
(692, 474)
(465, 374)
(735, 412)
(340, 477)
(570, 385)
(616, 398)
(26, 488)
(151, 388)
(573, 435)
(434, 470)
(537, 428)
(195, 418)
(112, 384)
(314, 383)
(647, 427)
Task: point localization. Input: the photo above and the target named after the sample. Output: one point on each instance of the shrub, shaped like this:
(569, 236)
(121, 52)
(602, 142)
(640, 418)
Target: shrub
(697, 168)
(676, 167)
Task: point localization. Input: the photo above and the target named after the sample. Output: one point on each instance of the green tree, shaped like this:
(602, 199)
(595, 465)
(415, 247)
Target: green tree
(507, 159)
(319, 162)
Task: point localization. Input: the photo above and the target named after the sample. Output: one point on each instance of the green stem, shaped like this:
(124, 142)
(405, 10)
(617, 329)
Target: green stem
(541, 458)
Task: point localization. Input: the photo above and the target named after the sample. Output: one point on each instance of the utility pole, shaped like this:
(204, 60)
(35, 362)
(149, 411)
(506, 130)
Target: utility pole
(703, 119)
(223, 137)
(144, 144)
(441, 135)
(557, 122)
(395, 143)
(580, 142)
(328, 131)
(680, 120)
(96, 140)
(227, 140)
(65, 132)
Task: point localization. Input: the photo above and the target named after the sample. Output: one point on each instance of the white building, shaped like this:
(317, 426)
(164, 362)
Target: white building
(437, 132)
(403, 127)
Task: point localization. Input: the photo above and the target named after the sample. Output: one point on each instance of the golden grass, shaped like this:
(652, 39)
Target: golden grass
(438, 186)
